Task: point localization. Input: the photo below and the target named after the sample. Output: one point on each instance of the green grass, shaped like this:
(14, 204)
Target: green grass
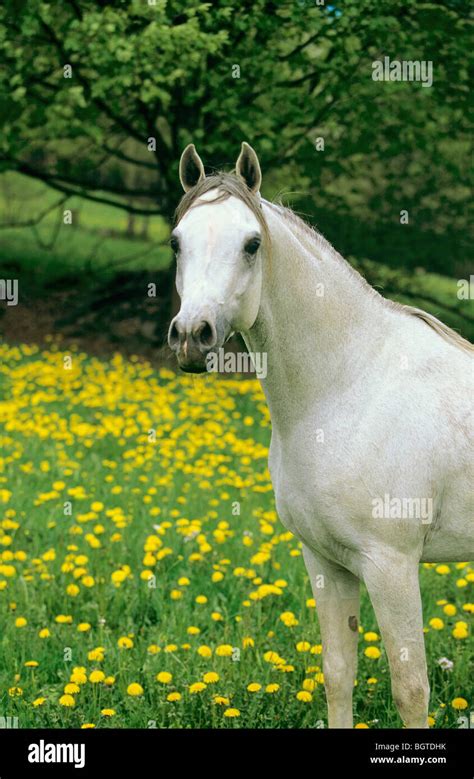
(83, 435)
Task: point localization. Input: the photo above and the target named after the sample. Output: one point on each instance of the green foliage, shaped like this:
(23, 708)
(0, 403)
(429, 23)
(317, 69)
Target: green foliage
(279, 75)
(166, 70)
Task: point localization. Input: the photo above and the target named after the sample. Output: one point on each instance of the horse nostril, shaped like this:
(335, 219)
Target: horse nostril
(174, 335)
(206, 335)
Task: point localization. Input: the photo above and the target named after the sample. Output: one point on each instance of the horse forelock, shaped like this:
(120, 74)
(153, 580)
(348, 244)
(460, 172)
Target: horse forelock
(226, 185)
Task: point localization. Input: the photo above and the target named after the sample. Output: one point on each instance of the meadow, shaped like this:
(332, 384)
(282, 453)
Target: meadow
(145, 579)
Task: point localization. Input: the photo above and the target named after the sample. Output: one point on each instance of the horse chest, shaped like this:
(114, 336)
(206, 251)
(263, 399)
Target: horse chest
(305, 504)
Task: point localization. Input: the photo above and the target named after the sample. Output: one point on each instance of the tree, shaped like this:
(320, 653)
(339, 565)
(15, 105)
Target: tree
(99, 98)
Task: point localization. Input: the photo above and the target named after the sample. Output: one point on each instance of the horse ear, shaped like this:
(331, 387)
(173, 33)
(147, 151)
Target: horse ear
(248, 168)
(191, 169)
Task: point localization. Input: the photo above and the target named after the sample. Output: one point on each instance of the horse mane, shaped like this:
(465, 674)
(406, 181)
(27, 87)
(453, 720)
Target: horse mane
(447, 333)
(230, 185)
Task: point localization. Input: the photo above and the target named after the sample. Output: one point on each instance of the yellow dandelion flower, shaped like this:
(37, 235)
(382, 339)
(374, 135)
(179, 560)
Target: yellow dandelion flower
(224, 650)
(67, 700)
(197, 687)
(125, 642)
(72, 688)
(450, 610)
(96, 676)
(96, 655)
(460, 632)
(164, 677)
(372, 652)
(204, 651)
(134, 689)
(232, 713)
(371, 636)
(118, 577)
(78, 676)
(304, 695)
(303, 646)
(459, 703)
(272, 688)
(272, 657)
(211, 677)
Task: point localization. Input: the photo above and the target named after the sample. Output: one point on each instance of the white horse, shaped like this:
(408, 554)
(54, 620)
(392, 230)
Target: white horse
(370, 404)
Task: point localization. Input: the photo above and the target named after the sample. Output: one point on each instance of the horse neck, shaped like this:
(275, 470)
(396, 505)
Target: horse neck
(319, 322)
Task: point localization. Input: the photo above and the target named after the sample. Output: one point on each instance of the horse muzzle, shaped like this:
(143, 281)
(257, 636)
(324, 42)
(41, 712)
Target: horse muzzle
(192, 342)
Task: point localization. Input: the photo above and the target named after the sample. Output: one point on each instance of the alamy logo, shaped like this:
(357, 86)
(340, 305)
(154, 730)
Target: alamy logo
(8, 722)
(239, 362)
(389, 507)
(404, 70)
(466, 288)
(9, 291)
(57, 753)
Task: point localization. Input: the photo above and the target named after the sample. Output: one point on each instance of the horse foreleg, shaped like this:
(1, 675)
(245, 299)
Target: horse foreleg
(393, 586)
(336, 592)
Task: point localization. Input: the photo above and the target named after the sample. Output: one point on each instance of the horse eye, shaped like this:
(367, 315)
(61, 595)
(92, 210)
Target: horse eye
(252, 246)
(174, 243)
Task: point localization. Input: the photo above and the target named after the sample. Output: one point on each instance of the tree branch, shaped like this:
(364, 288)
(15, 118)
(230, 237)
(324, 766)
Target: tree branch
(94, 198)
(37, 219)
(56, 178)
